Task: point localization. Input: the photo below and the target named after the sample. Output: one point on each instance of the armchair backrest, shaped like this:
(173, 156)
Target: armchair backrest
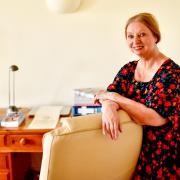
(78, 150)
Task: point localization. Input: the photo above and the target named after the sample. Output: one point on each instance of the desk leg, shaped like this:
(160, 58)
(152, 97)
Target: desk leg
(14, 166)
(5, 166)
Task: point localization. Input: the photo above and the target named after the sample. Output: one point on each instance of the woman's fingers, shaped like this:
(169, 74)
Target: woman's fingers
(116, 130)
(101, 95)
(98, 98)
(104, 128)
(110, 120)
(96, 101)
(110, 129)
(119, 128)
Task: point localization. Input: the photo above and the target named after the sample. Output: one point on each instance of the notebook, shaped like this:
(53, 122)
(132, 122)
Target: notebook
(46, 117)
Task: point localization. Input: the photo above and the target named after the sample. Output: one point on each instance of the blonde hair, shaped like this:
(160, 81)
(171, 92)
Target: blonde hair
(149, 21)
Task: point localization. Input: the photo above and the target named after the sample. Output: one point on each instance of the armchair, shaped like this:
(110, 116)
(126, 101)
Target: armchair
(78, 150)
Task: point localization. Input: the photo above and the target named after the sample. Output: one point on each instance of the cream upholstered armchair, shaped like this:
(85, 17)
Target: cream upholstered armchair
(78, 150)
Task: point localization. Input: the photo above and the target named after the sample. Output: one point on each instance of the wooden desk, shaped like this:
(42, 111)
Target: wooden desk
(15, 143)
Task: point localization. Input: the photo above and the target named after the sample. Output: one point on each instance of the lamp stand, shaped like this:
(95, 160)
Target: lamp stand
(12, 110)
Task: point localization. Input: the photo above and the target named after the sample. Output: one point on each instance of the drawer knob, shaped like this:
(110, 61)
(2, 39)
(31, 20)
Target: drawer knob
(22, 141)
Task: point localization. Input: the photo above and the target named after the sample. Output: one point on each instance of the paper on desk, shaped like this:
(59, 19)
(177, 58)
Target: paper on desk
(46, 117)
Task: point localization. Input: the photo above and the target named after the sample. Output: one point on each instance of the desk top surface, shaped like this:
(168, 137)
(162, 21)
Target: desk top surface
(23, 127)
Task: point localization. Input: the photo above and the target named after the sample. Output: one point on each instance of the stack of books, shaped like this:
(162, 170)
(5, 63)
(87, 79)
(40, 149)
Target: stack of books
(84, 102)
(13, 120)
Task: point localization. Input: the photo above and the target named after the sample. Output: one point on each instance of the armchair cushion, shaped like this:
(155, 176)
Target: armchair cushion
(78, 150)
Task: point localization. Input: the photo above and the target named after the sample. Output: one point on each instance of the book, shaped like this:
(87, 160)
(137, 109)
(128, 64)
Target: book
(13, 120)
(84, 110)
(66, 111)
(83, 96)
(86, 92)
(84, 102)
(45, 117)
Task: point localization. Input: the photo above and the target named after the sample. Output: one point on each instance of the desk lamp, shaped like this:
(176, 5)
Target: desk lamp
(12, 110)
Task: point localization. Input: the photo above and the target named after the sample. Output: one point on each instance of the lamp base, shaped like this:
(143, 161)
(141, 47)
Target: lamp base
(13, 120)
(12, 110)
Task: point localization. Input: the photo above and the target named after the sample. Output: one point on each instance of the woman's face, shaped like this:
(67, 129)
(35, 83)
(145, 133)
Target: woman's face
(140, 39)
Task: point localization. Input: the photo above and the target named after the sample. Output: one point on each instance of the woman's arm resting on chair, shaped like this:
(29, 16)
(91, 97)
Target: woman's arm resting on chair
(141, 114)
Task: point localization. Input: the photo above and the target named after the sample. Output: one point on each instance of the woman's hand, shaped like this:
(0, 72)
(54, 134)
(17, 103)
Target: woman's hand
(105, 95)
(110, 119)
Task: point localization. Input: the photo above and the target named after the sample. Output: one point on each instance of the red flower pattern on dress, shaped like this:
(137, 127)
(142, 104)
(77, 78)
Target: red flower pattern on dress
(148, 169)
(158, 157)
(172, 86)
(167, 103)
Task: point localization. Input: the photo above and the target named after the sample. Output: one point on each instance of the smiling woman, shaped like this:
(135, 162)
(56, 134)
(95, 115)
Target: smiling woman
(148, 90)
(142, 42)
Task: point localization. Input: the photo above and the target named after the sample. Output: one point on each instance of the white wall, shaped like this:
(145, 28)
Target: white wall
(59, 52)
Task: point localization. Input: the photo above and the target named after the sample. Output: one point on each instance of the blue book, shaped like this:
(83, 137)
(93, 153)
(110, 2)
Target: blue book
(84, 110)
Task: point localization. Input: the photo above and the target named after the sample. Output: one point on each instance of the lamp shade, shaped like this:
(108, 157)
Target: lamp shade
(63, 6)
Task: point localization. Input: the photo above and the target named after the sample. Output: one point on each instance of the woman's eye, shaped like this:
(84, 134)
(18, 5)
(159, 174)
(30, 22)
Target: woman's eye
(142, 34)
(130, 36)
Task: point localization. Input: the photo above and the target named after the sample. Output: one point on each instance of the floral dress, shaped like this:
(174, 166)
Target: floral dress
(159, 158)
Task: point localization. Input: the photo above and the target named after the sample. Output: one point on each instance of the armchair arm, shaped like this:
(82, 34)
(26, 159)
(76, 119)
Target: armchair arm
(86, 123)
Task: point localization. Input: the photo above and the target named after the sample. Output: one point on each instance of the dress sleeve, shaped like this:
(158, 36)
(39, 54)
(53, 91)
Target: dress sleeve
(122, 79)
(165, 96)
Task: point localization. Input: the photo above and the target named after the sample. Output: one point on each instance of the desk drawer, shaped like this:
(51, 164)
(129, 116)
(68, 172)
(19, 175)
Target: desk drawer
(23, 143)
(2, 140)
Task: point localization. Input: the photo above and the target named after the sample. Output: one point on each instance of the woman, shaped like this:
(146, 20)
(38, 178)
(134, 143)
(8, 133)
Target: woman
(148, 90)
